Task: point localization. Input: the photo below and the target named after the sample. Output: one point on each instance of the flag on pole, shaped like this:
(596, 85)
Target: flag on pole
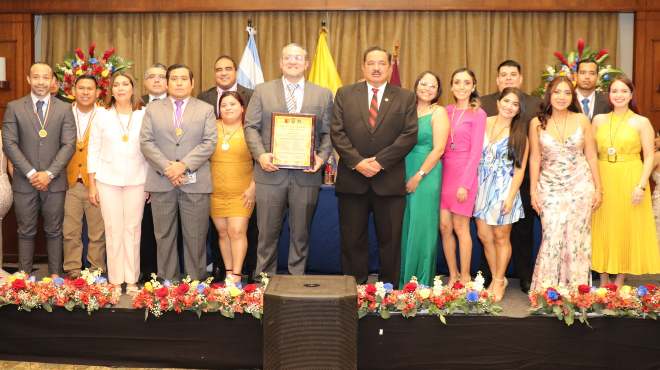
(324, 72)
(249, 69)
(394, 77)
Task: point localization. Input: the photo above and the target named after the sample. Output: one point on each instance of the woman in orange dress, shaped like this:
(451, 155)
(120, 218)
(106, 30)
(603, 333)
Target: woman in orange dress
(232, 200)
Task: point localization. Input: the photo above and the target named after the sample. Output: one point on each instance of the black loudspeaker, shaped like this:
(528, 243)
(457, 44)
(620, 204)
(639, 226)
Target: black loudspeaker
(310, 322)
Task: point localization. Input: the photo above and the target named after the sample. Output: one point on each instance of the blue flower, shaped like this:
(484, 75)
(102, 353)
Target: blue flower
(238, 285)
(74, 63)
(32, 279)
(553, 295)
(100, 280)
(388, 287)
(93, 61)
(472, 296)
(58, 281)
(167, 283)
(642, 291)
(550, 78)
(422, 286)
(606, 77)
(201, 287)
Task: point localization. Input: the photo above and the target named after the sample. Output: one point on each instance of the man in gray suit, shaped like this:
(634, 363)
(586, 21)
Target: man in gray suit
(177, 138)
(39, 135)
(277, 189)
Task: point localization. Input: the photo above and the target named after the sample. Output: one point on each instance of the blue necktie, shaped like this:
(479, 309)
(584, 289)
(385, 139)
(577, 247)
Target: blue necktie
(585, 107)
(40, 110)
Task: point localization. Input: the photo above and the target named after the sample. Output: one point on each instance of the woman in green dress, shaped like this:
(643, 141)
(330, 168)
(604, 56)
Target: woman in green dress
(419, 242)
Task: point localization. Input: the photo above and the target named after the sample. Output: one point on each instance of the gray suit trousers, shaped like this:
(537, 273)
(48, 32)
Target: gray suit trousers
(272, 202)
(194, 209)
(27, 207)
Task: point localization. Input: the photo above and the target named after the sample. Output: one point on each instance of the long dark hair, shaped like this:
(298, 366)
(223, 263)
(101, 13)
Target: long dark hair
(474, 95)
(236, 96)
(437, 80)
(546, 107)
(518, 130)
(136, 102)
(632, 104)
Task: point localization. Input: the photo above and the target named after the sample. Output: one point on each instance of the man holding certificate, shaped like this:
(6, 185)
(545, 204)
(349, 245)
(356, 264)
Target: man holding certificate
(374, 126)
(287, 129)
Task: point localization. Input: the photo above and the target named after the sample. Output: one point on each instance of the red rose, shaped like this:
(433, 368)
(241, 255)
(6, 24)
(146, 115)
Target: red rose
(18, 284)
(457, 285)
(611, 287)
(410, 287)
(79, 283)
(651, 288)
(217, 285)
(371, 289)
(584, 289)
(161, 292)
(250, 288)
(182, 289)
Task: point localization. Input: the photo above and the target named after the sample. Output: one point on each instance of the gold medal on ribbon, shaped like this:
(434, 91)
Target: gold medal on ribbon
(43, 133)
(225, 146)
(124, 138)
(178, 131)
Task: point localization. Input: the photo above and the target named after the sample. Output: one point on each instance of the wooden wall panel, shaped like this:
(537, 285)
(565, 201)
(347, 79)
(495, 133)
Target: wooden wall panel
(647, 64)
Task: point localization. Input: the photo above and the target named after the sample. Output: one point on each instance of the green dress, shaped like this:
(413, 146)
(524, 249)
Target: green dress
(419, 241)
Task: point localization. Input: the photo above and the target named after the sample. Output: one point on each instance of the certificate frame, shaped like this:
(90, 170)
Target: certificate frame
(288, 128)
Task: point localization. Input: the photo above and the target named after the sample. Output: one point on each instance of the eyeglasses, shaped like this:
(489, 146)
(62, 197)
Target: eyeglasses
(427, 85)
(155, 77)
(297, 58)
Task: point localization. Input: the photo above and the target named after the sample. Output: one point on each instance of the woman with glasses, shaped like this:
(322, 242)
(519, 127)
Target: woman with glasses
(419, 241)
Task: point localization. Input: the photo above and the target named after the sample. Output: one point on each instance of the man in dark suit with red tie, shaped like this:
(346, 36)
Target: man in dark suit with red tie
(374, 126)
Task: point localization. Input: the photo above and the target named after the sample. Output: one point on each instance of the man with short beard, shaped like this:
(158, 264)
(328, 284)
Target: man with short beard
(76, 201)
(591, 103)
(39, 136)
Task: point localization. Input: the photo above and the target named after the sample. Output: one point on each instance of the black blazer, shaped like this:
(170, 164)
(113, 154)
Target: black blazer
(211, 96)
(390, 141)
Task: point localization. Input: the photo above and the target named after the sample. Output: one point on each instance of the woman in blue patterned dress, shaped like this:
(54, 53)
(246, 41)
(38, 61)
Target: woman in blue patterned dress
(501, 172)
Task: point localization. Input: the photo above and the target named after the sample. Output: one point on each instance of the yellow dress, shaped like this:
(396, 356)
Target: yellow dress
(231, 171)
(624, 238)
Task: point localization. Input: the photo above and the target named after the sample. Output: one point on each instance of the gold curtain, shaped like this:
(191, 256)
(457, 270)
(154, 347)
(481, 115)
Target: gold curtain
(440, 41)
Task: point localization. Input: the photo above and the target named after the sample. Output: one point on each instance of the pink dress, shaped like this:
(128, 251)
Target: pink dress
(461, 158)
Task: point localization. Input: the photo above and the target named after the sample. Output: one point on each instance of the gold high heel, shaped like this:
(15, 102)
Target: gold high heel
(498, 295)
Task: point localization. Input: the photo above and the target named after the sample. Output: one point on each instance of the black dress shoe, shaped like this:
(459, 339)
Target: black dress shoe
(525, 285)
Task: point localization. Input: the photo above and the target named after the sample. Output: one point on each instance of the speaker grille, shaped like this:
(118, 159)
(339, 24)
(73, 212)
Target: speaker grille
(310, 322)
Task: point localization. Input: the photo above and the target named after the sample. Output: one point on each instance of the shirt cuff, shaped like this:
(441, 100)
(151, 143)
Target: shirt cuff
(30, 173)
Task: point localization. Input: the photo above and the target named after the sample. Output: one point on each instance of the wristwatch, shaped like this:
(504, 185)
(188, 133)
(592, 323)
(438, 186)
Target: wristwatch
(421, 173)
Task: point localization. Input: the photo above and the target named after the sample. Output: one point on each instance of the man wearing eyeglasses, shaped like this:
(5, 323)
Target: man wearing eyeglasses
(276, 188)
(155, 83)
(225, 80)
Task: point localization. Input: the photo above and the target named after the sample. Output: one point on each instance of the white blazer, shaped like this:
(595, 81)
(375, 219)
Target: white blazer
(112, 160)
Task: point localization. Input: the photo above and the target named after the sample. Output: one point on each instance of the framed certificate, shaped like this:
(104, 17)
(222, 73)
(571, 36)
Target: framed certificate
(292, 140)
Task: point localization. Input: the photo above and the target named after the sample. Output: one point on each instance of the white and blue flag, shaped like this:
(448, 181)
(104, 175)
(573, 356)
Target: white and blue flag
(249, 70)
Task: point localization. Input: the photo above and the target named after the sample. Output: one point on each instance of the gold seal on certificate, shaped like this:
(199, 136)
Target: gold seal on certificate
(292, 140)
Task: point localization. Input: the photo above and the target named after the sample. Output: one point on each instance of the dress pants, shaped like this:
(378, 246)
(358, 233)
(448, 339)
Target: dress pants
(77, 206)
(122, 208)
(272, 202)
(354, 212)
(194, 210)
(27, 207)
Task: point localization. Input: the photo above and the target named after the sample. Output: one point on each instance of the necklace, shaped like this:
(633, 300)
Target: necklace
(225, 139)
(124, 129)
(453, 127)
(81, 135)
(562, 134)
(611, 151)
(492, 140)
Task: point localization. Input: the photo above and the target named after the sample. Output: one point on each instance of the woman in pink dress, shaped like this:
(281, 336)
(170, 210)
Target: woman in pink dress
(459, 171)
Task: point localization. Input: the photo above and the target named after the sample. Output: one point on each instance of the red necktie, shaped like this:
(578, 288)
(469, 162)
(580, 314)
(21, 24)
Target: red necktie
(373, 108)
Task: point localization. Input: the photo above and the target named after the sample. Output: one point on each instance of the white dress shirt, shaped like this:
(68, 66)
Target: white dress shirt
(592, 102)
(112, 160)
(299, 94)
(370, 93)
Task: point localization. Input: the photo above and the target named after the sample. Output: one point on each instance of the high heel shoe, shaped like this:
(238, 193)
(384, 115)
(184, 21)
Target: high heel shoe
(452, 280)
(498, 292)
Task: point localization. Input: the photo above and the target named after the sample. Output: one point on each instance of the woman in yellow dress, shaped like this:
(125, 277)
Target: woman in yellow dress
(624, 241)
(232, 200)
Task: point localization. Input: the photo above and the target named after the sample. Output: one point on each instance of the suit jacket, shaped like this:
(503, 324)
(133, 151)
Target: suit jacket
(390, 141)
(531, 105)
(211, 96)
(26, 150)
(601, 104)
(160, 145)
(268, 98)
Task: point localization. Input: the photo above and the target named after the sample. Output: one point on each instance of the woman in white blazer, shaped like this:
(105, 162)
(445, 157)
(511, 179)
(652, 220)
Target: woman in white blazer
(117, 173)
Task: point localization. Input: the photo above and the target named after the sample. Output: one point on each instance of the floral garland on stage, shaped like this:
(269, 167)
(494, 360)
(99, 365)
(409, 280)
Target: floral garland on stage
(89, 292)
(157, 298)
(566, 305)
(568, 63)
(100, 68)
(438, 300)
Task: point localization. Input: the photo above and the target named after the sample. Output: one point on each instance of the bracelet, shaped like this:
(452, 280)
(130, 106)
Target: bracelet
(421, 173)
(642, 188)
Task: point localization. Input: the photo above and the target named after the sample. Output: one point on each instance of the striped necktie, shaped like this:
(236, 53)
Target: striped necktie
(291, 103)
(373, 108)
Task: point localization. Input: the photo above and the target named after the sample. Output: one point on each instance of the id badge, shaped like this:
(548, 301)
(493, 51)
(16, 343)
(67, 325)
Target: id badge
(190, 178)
